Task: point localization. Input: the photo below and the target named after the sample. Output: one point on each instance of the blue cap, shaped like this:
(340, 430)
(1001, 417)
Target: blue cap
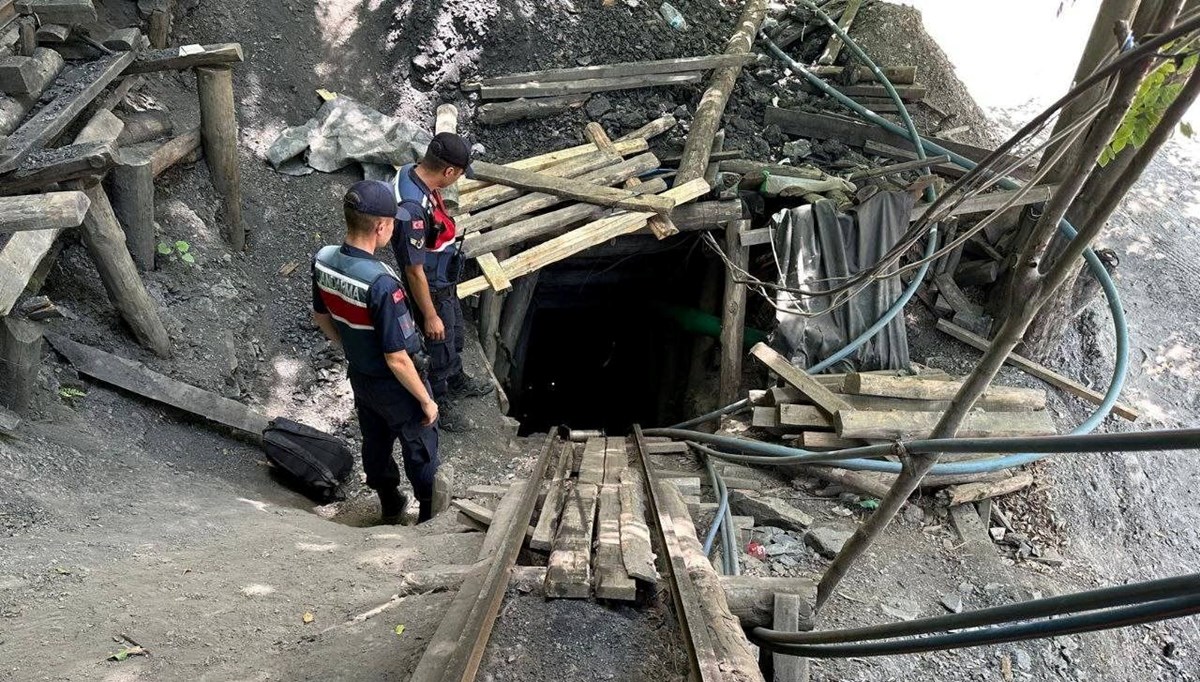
(373, 197)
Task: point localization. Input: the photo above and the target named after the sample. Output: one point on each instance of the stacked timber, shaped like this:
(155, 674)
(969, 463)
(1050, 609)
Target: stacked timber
(50, 183)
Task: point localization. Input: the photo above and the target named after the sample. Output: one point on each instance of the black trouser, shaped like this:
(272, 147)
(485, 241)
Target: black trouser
(387, 412)
(445, 356)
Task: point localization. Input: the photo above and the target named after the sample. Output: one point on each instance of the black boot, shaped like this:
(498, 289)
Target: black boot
(466, 386)
(425, 512)
(392, 504)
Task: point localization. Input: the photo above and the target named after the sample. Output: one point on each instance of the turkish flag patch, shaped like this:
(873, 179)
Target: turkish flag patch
(418, 224)
(397, 296)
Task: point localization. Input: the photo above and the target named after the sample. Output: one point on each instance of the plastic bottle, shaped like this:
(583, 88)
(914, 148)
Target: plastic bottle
(674, 19)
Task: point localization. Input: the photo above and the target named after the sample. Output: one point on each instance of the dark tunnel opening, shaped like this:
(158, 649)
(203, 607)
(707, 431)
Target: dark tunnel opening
(604, 343)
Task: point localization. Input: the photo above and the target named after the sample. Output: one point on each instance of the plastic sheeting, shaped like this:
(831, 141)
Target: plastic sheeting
(816, 248)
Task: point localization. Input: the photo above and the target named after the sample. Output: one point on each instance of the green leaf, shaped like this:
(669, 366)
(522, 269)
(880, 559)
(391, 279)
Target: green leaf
(182, 247)
(399, 629)
(69, 392)
(120, 655)
(869, 503)
(164, 248)
(188, 258)
(1186, 129)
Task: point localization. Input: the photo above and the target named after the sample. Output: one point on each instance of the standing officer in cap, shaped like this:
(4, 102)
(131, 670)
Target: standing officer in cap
(427, 246)
(359, 303)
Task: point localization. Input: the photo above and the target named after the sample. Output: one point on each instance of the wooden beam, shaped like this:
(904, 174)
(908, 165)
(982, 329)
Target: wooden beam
(457, 647)
(67, 100)
(496, 113)
(133, 204)
(543, 534)
(612, 578)
(560, 88)
(493, 273)
(872, 148)
(589, 235)
(992, 201)
(998, 397)
(801, 380)
(898, 75)
(733, 313)
(635, 534)
(594, 132)
(834, 47)
(550, 224)
(900, 425)
(51, 211)
(67, 12)
(484, 516)
(20, 360)
(185, 57)
(752, 598)
(560, 187)
(176, 149)
(48, 166)
(652, 129)
(568, 574)
(218, 134)
(571, 168)
(137, 378)
(967, 493)
(1040, 371)
(787, 618)
(660, 66)
(512, 322)
(513, 210)
(532, 163)
(712, 104)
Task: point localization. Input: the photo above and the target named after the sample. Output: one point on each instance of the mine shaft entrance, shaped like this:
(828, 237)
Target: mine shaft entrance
(605, 343)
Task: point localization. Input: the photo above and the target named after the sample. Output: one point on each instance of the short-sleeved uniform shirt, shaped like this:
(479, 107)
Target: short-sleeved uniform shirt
(386, 311)
(428, 239)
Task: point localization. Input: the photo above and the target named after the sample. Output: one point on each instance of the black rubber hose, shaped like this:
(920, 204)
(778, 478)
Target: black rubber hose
(1101, 620)
(1091, 600)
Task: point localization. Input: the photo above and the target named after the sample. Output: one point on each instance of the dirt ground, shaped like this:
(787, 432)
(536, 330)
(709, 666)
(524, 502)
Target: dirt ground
(121, 519)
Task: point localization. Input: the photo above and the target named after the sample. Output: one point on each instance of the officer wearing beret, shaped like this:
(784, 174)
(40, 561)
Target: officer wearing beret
(359, 303)
(427, 246)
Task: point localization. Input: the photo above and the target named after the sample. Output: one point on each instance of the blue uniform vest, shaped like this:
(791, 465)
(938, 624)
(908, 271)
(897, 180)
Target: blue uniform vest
(344, 283)
(441, 253)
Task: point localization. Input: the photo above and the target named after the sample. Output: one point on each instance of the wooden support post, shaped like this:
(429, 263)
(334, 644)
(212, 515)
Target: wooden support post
(133, 204)
(27, 36)
(823, 397)
(20, 358)
(733, 313)
(142, 126)
(787, 619)
(159, 27)
(495, 113)
(712, 105)
(512, 322)
(491, 305)
(219, 132)
(105, 241)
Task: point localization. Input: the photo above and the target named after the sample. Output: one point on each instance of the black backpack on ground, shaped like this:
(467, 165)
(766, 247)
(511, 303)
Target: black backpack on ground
(314, 462)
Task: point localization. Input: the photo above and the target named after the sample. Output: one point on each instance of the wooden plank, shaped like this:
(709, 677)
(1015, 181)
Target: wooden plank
(834, 47)
(493, 273)
(955, 297)
(514, 210)
(137, 378)
(807, 416)
(976, 492)
(1040, 371)
(659, 66)
(176, 149)
(992, 201)
(495, 113)
(612, 579)
(872, 90)
(1014, 397)
(654, 128)
(50, 211)
(688, 609)
(571, 168)
(493, 491)
(561, 187)
(458, 645)
(635, 534)
(872, 148)
(185, 57)
(591, 466)
(668, 448)
(823, 397)
(48, 166)
(532, 163)
(901, 425)
(916, 164)
(595, 134)
(787, 619)
(569, 569)
(560, 88)
(508, 504)
(589, 235)
(59, 11)
(543, 534)
(484, 516)
(68, 98)
(898, 75)
(765, 417)
(820, 440)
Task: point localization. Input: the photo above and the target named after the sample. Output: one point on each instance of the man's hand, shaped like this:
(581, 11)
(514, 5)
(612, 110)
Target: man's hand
(434, 329)
(430, 409)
